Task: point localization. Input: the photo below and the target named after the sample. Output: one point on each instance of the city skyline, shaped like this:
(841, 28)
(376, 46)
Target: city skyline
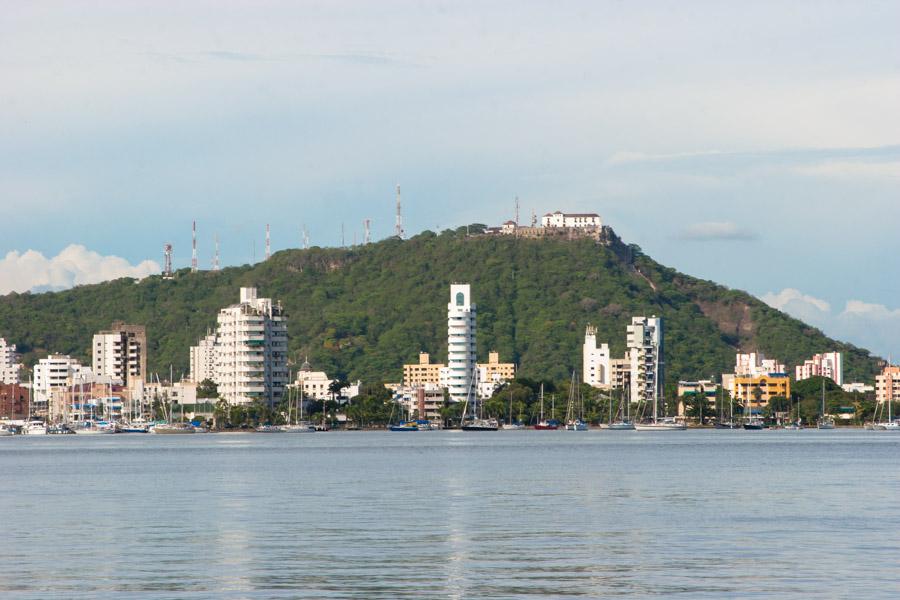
(762, 154)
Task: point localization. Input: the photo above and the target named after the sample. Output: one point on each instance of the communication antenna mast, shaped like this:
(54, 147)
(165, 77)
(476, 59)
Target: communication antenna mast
(367, 224)
(533, 218)
(517, 211)
(194, 247)
(398, 228)
(167, 261)
(268, 243)
(305, 238)
(216, 255)
(342, 234)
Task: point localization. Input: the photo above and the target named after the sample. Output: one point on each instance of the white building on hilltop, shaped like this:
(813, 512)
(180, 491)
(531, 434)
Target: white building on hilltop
(644, 340)
(829, 364)
(573, 220)
(203, 359)
(251, 350)
(595, 361)
(9, 363)
(461, 331)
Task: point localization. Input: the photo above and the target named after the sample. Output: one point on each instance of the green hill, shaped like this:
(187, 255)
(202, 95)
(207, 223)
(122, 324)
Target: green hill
(364, 311)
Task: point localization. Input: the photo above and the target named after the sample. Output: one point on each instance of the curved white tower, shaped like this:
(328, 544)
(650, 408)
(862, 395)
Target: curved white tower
(460, 341)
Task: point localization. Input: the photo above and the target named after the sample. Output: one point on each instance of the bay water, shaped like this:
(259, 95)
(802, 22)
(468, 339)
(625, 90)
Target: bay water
(450, 514)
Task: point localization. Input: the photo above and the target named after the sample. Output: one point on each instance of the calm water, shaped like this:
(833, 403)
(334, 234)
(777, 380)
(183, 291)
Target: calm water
(452, 515)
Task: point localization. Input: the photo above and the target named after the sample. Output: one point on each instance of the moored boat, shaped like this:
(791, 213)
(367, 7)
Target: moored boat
(172, 428)
(664, 424)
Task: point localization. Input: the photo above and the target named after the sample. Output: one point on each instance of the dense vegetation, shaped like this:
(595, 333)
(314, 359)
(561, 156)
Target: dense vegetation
(364, 311)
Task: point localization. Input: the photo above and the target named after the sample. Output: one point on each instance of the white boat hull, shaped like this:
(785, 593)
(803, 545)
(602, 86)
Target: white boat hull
(621, 426)
(660, 427)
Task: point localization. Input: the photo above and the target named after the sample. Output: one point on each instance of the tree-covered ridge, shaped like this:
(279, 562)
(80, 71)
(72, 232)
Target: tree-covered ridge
(364, 311)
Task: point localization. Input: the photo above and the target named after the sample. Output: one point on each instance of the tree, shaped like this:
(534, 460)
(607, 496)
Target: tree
(207, 389)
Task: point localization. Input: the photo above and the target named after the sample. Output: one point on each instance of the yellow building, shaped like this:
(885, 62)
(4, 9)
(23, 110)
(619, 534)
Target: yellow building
(742, 388)
(496, 370)
(423, 372)
(426, 372)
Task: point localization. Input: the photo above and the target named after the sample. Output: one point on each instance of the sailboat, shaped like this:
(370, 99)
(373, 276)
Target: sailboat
(477, 422)
(298, 426)
(658, 423)
(510, 425)
(33, 425)
(752, 423)
(623, 421)
(573, 423)
(171, 428)
(798, 424)
(544, 424)
(721, 423)
(825, 421)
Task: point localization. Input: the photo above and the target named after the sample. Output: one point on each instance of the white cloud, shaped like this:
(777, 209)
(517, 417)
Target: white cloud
(875, 327)
(791, 298)
(716, 230)
(74, 265)
(851, 169)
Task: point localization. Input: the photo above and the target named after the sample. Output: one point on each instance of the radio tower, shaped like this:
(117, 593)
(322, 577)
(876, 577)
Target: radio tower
(194, 248)
(367, 223)
(167, 261)
(216, 255)
(517, 211)
(305, 238)
(398, 228)
(268, 243)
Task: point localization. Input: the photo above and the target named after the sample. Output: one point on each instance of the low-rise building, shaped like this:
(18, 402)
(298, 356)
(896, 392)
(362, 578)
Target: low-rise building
(420, 401)
(770, 386)
(887, 385)
(857, 387)
(571, 220)
(703, 387)
(13, 402)
(317, 385)
(829, 364)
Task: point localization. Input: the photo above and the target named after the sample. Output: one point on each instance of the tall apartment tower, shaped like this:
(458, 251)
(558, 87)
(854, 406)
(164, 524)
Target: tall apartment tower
(121, 353)
(644, 339)
(251, 350)
(203, 359)
(596, 369)
(461, 360)
(9, 364)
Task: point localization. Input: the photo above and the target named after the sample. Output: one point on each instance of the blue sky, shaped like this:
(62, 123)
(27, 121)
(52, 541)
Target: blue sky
(754, 144)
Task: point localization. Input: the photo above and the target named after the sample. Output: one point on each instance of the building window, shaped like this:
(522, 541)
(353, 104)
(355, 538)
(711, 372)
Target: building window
(460, 299)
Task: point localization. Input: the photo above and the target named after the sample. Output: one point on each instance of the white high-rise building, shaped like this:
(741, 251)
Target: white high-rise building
(644, 340)
(203, 359)
(9, 363)
(121, 354)
(461, 360)
(57, 371)
(829, 364)
(251, 350)
(595, 361)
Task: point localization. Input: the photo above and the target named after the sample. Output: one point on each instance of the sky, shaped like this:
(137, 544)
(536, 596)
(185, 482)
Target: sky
(753, 144)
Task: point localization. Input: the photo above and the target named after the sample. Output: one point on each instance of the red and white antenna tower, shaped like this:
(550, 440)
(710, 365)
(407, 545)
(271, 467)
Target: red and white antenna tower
(216, 255)
(194, 248)
(268, 243)
(167, 261)
(367, 223)
(398, 227)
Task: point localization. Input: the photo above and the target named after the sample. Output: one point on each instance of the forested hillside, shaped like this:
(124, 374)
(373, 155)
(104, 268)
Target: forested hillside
(364, 311)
